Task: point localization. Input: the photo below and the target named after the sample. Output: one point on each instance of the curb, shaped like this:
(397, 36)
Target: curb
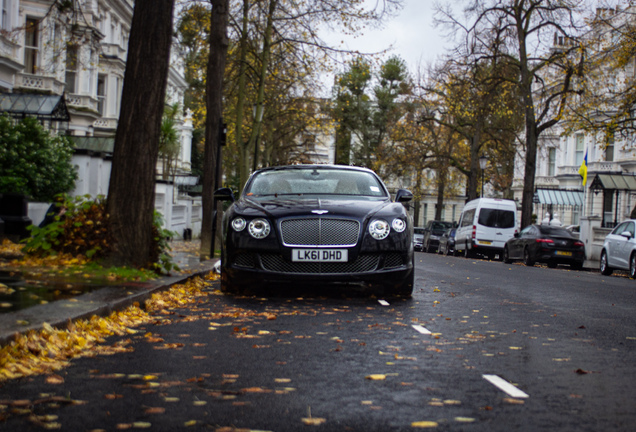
(101, 302)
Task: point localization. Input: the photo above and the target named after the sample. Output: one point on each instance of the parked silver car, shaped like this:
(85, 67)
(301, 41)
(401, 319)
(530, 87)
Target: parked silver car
(619, 249)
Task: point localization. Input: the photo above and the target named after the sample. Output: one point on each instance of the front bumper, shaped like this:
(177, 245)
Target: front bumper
(370, 269)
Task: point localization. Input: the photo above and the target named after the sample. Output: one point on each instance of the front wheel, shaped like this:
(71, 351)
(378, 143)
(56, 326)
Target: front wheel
(405, 288)
(506, 255)
(527, 260)
(468, 253)
(604, 267)
(632, 266)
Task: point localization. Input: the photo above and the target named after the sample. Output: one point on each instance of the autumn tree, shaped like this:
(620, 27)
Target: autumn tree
(545, 72)
(131, 196)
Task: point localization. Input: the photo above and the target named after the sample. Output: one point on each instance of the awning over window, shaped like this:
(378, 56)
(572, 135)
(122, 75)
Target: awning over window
(44, 107)
(559, 197)
(96, 144)
(613, 182)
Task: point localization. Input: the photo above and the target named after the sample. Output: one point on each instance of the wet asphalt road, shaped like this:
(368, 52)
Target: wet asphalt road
(277, 361)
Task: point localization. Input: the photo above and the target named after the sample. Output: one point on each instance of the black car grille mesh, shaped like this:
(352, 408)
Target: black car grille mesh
(276, 263)
(245, 260)
(393, 260)
(320, 232)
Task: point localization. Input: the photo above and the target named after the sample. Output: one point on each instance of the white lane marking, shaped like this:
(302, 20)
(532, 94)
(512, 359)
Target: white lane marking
(505, 386)
(383, 302)
(421, 329)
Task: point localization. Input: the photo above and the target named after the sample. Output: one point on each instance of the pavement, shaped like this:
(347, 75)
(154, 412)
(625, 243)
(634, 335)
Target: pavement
(104, 301)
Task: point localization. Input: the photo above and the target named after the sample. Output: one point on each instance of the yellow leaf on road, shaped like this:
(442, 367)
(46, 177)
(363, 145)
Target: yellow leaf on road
(424, 424)
(376, 377)
(313, 421)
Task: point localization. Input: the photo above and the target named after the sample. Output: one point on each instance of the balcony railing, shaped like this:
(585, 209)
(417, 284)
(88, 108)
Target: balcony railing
(105, 123)
(81, 102)
(39, 82)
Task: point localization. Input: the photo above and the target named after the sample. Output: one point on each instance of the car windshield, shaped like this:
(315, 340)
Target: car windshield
(315, 181)
(441, 226)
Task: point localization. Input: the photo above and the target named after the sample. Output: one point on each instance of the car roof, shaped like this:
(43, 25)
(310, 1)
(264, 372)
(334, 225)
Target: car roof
(317, 166)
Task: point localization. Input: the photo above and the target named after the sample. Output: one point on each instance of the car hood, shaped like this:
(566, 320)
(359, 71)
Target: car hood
(290, 207)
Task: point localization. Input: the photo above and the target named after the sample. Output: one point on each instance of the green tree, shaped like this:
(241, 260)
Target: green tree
(32, 162)
(169, 144)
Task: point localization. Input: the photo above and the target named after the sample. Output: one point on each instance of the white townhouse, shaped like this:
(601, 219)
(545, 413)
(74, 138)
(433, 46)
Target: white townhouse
(66, 67)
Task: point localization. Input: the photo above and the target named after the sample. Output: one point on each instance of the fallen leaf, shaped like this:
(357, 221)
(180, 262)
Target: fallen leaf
(376, 377)
(313, 421)
(513, 401)
(155, 410)
(424, 424)
(464, 419)
(54, 379)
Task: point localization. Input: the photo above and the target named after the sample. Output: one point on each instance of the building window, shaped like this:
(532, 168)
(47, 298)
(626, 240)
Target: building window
(71, 69)
(551, 162)
(580, 149)
(609, 151)
(5, 7)
(31, 44)
(454, 212)
(101, 93)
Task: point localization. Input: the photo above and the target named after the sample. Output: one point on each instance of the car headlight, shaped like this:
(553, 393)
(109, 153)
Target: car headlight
(398, 225)
(239, 224)
(379, 229)
(259, 228)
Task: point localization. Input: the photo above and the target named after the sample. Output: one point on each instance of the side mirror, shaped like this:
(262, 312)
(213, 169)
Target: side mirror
(626, 234)
(224, 194)
(516, 235)
(403, 196)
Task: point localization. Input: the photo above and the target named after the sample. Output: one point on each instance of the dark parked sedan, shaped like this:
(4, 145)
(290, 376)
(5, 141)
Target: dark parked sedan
(447, 242)
(432, 233)
(544, 243)
(317, 224)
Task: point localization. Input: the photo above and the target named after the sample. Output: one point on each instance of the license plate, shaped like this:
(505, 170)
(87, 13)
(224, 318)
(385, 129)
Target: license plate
(320, 255)
(484, 242)
(564, 253)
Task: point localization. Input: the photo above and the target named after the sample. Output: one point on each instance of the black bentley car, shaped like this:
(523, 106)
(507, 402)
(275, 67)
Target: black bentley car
(317, 224)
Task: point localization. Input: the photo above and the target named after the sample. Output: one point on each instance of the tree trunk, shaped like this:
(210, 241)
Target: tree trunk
(214, 103)
(131, 194)
(240, 104)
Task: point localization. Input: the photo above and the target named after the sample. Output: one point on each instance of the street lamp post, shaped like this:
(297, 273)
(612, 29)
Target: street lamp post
(483, 161)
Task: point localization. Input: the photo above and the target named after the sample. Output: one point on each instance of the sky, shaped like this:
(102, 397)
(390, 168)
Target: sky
(411, 33)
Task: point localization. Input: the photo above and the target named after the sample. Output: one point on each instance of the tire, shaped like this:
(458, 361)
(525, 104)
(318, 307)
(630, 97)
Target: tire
(632, 266)
(448, 252)
(405, 288)
(233, 288)
(526, 258)
(468, 253)
(606, 270)
(506, 255)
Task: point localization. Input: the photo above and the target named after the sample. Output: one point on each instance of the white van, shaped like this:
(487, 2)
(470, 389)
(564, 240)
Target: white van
(484, 227)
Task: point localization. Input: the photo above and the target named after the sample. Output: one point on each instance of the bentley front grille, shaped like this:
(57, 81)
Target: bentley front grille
(320, 232)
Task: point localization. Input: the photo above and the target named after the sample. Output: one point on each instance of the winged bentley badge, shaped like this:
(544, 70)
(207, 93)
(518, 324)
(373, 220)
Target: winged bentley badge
(320, 212)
